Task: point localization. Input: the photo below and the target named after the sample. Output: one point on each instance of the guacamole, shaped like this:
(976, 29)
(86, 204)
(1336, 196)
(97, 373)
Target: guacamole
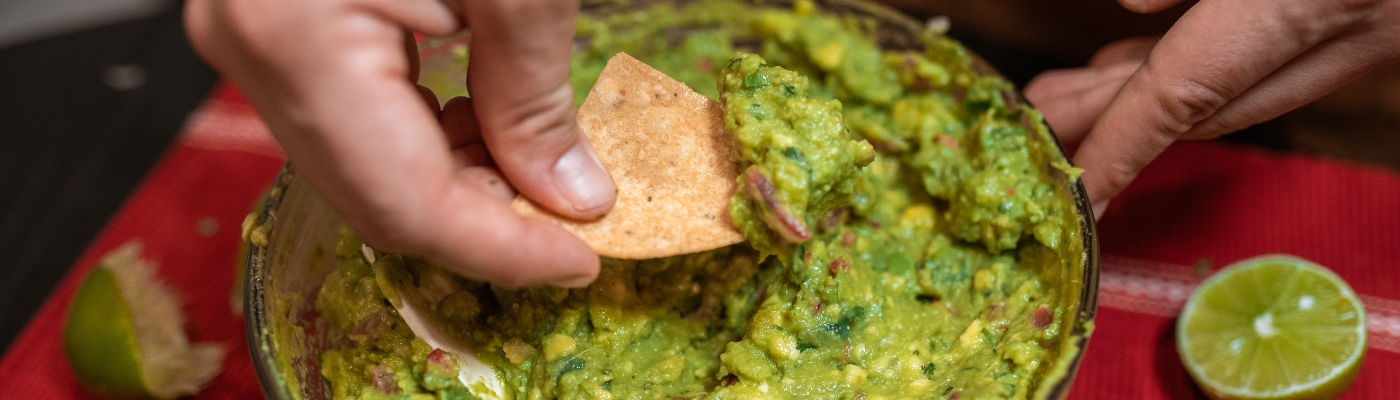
(906, 240)
(380, 358)
(797, 162)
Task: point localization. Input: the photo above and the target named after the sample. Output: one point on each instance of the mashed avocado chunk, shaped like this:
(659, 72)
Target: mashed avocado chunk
(1002, 201)
(797, 161)
(906, 239)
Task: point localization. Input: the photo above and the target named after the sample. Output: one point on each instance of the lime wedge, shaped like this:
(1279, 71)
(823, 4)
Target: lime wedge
(99, 339)
(1273, 327)
(124, 337)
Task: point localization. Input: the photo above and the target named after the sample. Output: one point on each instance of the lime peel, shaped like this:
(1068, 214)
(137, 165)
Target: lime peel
(125, 333)
(1272, 329)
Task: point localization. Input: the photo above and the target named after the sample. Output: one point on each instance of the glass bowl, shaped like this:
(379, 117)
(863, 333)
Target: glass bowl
(292, 239)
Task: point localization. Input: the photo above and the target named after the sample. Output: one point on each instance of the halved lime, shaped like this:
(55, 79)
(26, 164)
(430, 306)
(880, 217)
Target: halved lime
(125, 337)
(1273, 327)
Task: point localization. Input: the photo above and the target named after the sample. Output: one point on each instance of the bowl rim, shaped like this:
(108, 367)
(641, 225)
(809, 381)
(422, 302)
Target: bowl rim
(257, 321)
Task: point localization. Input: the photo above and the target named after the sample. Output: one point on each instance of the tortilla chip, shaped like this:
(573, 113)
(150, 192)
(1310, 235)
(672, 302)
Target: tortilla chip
(669, 153)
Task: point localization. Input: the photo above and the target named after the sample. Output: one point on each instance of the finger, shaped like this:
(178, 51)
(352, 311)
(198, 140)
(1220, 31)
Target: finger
(459, 122)
(1148, 6)
(519, 79)
(1059, 83)
(464, 133)
(472, 155)
(358, 132)
(1215, 52)
(430, 99)
(1055, 84)
(1132, 50)
(199, 27)
(1321, 70)
(419, 205)
(431, 17)
(410, 49)
(489, 179)
(519, 251)
(1099, 208)
(1072, 100)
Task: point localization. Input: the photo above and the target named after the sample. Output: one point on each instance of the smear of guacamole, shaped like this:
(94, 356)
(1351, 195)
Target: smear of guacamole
(939, 258)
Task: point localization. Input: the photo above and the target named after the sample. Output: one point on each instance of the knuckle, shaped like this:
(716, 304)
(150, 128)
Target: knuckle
(1187, 100)
(548, 117)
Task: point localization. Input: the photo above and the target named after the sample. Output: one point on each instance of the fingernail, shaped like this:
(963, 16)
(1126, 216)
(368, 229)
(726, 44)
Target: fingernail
(582, 180)
(575, 281)
(1099, 208)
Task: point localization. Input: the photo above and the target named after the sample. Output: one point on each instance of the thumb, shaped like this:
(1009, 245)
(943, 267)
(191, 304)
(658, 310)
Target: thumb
(520, 86)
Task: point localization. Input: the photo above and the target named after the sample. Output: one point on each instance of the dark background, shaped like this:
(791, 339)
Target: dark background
(83, 116)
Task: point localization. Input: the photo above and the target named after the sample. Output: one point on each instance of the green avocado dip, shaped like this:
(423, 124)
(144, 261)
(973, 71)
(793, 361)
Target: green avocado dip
(798, 163)
(906, 240)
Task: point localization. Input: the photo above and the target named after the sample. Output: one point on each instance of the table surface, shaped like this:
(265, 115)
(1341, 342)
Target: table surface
(1200, 206)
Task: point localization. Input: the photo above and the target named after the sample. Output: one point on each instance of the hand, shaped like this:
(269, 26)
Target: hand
(332, 79)
(1225, 65)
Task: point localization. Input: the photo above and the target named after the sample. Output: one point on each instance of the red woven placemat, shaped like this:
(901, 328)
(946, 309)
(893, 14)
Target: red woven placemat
(220, 166)
(1203, 205)
(1198, 207)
